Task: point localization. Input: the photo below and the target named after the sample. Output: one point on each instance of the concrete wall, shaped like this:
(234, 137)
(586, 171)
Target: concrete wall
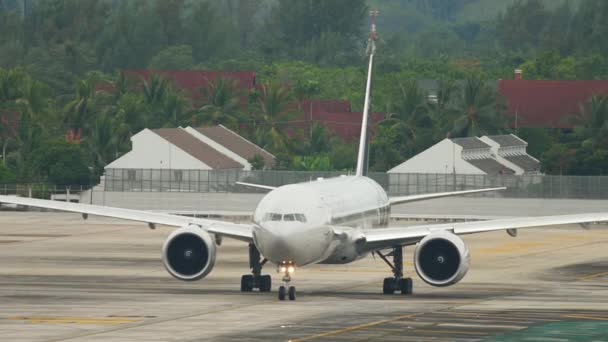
(439, 158)
(150, 151)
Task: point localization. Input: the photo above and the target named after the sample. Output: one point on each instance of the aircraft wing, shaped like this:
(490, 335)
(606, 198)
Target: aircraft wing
(423, 197)
(238, 231)
(388, 237)
(257, 186)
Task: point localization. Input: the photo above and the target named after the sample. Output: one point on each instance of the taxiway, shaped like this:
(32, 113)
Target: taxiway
(65, 279)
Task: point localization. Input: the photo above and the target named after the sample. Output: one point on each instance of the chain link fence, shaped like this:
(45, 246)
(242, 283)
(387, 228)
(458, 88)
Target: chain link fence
(526, 186)
(199, 181)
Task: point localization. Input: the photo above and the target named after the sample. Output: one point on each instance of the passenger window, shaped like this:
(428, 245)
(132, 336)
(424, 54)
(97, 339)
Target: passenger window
(301, 218)
(276, 217)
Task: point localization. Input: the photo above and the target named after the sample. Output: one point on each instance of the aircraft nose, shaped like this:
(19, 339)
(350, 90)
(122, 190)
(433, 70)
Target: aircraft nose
(279, 243)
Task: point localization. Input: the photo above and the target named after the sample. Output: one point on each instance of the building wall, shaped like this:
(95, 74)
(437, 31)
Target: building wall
(439, 158)
(150, 151)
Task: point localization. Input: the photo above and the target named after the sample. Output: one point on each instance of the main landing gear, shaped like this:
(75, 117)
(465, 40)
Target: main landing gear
(256, 280)
(287, 268)
(396, 283)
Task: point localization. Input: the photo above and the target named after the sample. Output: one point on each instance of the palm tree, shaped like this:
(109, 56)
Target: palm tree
(166, 107)
(478, 110)
(591, 125)
(80, 109)
(410, 109)
(103, 142)
(223, 106)
(408, 126)
(156, 89)
(272, 115)
(20, 95)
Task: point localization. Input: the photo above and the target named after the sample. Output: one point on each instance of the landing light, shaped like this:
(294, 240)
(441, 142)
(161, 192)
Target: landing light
(291, 269)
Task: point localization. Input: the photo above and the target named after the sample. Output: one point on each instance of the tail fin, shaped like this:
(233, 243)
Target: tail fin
(363, 155)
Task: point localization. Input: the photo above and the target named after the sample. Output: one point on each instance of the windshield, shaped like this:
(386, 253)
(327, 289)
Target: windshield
(286, 217)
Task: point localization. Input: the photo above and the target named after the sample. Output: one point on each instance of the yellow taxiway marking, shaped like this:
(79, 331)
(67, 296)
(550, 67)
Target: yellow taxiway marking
(75, 320)
(353, 328)
(591, 318)
(593, 276)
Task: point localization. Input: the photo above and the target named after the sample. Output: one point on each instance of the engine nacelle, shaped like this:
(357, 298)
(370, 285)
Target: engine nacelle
(442, 259)
(189, 253)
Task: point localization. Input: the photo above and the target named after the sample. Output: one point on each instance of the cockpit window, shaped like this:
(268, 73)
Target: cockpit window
(286, 217)
(272, 217)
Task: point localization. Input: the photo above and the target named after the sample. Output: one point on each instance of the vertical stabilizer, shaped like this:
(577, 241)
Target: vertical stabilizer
(363, 155)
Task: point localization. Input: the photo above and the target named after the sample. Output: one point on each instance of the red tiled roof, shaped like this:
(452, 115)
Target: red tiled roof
(548, 104)
(336, 115)
(11, 120)
(344, 125)
(335, 106)
(193, 81)
(197, 148)
(236, 143)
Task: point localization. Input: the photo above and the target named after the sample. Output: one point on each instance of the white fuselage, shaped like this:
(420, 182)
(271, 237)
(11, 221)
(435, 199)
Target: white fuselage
(318, 221)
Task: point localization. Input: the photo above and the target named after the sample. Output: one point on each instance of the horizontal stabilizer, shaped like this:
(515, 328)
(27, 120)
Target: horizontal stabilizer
(424, 197)
(258, 186)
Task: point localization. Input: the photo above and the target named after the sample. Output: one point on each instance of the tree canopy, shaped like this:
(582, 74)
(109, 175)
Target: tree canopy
(56, 54)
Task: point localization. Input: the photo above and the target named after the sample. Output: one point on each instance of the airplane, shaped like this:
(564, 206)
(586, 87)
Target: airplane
(328, 221)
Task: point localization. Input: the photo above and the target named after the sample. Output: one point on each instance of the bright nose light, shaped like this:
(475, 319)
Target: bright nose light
(291, 269)
(283, 269)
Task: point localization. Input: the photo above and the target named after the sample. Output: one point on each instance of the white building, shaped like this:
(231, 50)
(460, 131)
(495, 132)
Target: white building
(494, 155)
(205, 148)
(510, 150)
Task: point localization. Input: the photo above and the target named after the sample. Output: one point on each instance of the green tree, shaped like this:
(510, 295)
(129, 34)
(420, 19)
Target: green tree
(520, 27)
(300, 26)
(478, 110)
(80, 111)
(223, 104)
(103, 143)
(272, 113)
(60, 162)
(173, 58)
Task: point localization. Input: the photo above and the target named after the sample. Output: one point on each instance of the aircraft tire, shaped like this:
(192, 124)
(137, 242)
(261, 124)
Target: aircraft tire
(282, 293)
(265, 283)
(388, 287)
(247, 283)
(406, 285)
(292, 293)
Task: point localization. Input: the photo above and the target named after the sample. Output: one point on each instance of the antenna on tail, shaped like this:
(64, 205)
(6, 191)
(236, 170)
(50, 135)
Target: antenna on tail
(363, 155)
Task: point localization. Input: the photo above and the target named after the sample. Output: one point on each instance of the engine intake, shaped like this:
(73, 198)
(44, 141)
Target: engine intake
(442, 259)
(189, 253)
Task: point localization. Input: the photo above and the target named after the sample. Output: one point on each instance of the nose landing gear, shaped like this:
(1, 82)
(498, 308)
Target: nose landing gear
(287, 268)
(255, 280)
(396, 283)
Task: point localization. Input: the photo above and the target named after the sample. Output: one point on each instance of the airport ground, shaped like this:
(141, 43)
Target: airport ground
(64, 279)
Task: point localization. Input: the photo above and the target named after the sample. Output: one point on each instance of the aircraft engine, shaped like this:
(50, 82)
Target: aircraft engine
(442, 259)
(189, 253)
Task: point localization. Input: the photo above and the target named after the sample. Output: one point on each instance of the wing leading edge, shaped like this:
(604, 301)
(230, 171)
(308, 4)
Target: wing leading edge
(423, 197)
(387, 237)
(233, 230)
